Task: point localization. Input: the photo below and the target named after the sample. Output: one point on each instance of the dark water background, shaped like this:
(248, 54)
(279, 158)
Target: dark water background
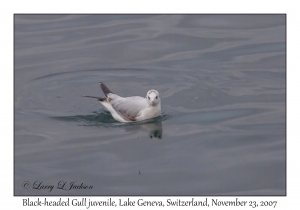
(222, 80)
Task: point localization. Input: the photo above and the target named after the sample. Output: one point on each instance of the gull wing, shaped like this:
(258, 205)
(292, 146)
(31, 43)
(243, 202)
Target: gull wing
(129, 107)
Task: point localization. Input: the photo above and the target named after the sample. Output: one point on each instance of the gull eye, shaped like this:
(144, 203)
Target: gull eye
(148, 98)
(156, 97)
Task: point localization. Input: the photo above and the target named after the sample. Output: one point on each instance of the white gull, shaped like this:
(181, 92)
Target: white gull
(130, 109)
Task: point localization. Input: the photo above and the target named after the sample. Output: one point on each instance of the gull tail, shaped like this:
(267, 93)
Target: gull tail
(105, 89)
(99, 98)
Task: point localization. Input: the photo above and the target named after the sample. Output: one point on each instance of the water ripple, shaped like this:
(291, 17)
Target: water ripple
(104, 118)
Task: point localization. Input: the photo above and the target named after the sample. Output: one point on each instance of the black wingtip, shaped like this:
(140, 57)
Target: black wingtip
(105, 89)
(98, 98)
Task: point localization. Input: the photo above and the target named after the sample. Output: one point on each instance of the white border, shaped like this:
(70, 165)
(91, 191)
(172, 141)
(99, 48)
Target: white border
(8, 8)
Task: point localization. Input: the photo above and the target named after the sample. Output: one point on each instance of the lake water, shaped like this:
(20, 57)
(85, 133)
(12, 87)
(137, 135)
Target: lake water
(222, 81)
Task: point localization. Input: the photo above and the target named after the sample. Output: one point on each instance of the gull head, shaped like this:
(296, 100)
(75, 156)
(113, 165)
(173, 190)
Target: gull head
(153, 98)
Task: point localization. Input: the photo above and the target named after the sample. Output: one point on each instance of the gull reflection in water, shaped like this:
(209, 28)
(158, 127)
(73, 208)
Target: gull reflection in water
(153, 129)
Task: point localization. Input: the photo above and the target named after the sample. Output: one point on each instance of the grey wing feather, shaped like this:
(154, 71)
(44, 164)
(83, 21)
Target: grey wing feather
(129, 107)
